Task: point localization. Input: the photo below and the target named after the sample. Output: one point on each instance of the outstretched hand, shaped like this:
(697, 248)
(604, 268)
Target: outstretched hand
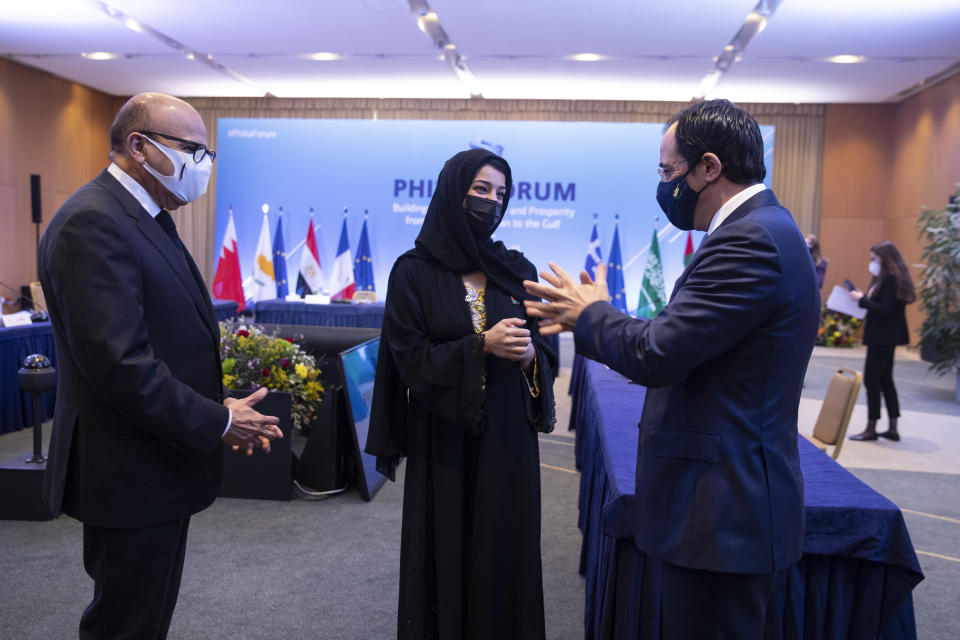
(248, 427)
(566, 299)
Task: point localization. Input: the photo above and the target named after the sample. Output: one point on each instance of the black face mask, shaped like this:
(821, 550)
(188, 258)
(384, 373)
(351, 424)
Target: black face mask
(678, 201)
(483, 215)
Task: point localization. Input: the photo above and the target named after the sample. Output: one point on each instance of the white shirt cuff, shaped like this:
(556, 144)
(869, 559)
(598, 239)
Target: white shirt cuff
(229, 421)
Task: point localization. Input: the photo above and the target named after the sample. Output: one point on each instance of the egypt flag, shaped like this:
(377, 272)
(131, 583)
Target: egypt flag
(688, 251)
(310, 278)
(341, 281)
(263, 285)
(228, 283)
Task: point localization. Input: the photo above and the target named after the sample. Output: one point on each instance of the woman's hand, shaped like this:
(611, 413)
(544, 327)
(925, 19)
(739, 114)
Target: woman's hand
(508, 340)
(856, 294)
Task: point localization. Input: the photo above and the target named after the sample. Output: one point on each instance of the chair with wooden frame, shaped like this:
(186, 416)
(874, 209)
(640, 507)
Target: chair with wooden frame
(834, 416)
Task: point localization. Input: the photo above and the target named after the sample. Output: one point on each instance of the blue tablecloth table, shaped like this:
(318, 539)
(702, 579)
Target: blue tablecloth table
(224, 309)
(322, 315)
(854, 580)
(16, 343)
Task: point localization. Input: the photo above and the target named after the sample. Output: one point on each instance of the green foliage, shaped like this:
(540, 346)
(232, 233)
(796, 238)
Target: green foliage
(253, 359)
(939, 288)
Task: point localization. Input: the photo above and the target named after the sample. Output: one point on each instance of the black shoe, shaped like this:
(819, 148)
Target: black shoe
(890, 435)
(866, 435)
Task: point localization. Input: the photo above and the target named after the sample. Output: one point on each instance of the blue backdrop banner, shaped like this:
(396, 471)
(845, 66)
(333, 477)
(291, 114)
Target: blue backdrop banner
(563, 172)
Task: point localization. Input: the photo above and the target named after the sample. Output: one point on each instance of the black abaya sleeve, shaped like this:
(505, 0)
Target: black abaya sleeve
(447, 378)
(541, 411)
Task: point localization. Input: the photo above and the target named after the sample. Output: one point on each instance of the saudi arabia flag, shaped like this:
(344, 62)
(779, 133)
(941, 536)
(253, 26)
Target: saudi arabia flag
(652, 294)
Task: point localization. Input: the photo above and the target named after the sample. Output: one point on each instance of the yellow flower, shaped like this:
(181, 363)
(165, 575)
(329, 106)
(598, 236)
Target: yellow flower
(301, 370)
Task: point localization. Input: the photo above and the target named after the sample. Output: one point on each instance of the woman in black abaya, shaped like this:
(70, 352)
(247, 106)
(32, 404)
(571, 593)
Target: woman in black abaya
(463, 385)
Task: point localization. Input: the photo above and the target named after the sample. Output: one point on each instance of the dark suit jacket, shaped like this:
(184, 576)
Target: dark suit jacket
(138, 419)
(719, 485)
(886, 322)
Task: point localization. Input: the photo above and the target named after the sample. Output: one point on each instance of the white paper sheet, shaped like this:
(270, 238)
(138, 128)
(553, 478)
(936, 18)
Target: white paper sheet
(841, 302)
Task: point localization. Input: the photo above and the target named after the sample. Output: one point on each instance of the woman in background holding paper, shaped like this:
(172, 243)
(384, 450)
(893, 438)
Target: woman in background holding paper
(885, 327)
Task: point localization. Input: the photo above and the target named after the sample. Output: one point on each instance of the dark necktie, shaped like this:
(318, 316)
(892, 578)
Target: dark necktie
(165, 220)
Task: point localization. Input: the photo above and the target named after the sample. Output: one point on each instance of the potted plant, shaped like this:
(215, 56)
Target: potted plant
(253, 359)
(940, 287)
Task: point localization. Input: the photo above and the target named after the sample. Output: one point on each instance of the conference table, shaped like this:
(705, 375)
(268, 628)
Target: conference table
(224, 309)
(16, 343)
(854, 580)
(322, 315)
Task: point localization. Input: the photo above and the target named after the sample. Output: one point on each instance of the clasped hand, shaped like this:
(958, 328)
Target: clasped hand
(566, 299)
(248, 427)
(509, 340)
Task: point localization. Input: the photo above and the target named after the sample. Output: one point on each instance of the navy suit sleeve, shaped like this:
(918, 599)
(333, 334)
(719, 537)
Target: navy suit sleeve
(96, 276)
(732, 288)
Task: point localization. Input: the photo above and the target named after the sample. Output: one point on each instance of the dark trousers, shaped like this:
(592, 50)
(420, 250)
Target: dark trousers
(878, 378)
(707, 604)
(136, 580)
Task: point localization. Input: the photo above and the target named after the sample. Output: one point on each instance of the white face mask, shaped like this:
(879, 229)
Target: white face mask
(189, 179)
(874, 268)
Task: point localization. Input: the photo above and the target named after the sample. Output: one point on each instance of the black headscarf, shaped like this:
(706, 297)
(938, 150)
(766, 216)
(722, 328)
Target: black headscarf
(446, 237)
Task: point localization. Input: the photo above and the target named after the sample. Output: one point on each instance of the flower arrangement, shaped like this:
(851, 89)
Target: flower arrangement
(837, 329)
(253, 359)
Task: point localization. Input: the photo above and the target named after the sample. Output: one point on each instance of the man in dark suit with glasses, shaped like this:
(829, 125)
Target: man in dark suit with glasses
(140, 413)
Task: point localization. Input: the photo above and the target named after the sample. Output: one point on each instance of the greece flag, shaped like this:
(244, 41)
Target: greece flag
(593, 252)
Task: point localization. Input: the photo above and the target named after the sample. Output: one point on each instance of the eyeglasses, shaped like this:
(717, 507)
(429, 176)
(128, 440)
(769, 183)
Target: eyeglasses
(668, 172)
(199, 151)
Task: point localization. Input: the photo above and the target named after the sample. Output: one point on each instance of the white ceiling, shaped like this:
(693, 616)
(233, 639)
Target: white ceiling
(513, 48)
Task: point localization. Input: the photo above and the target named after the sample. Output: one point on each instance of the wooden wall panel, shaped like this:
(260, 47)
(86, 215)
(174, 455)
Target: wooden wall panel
(885, 164)
(53, 128)
(855, 198)
(926, 165)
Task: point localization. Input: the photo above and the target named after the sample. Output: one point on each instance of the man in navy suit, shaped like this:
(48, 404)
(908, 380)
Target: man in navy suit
(719, 494)
(140, 414)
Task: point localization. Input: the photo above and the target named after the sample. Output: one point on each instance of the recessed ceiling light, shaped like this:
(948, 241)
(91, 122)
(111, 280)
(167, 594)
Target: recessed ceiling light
(450, 46)
(99, 55)
(325, 56)
(846, 59)
(588, 57)
(132, 24)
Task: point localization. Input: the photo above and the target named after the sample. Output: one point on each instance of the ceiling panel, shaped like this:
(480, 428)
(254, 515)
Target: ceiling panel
(612, 27)
(618, 79)
(66, 26)
(286, 26)
(786, 81)
(420, 77)
(167, 74)
(819, 28)
(514, 48)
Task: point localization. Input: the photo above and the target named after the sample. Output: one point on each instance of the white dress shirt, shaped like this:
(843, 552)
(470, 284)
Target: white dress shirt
(731, 205)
